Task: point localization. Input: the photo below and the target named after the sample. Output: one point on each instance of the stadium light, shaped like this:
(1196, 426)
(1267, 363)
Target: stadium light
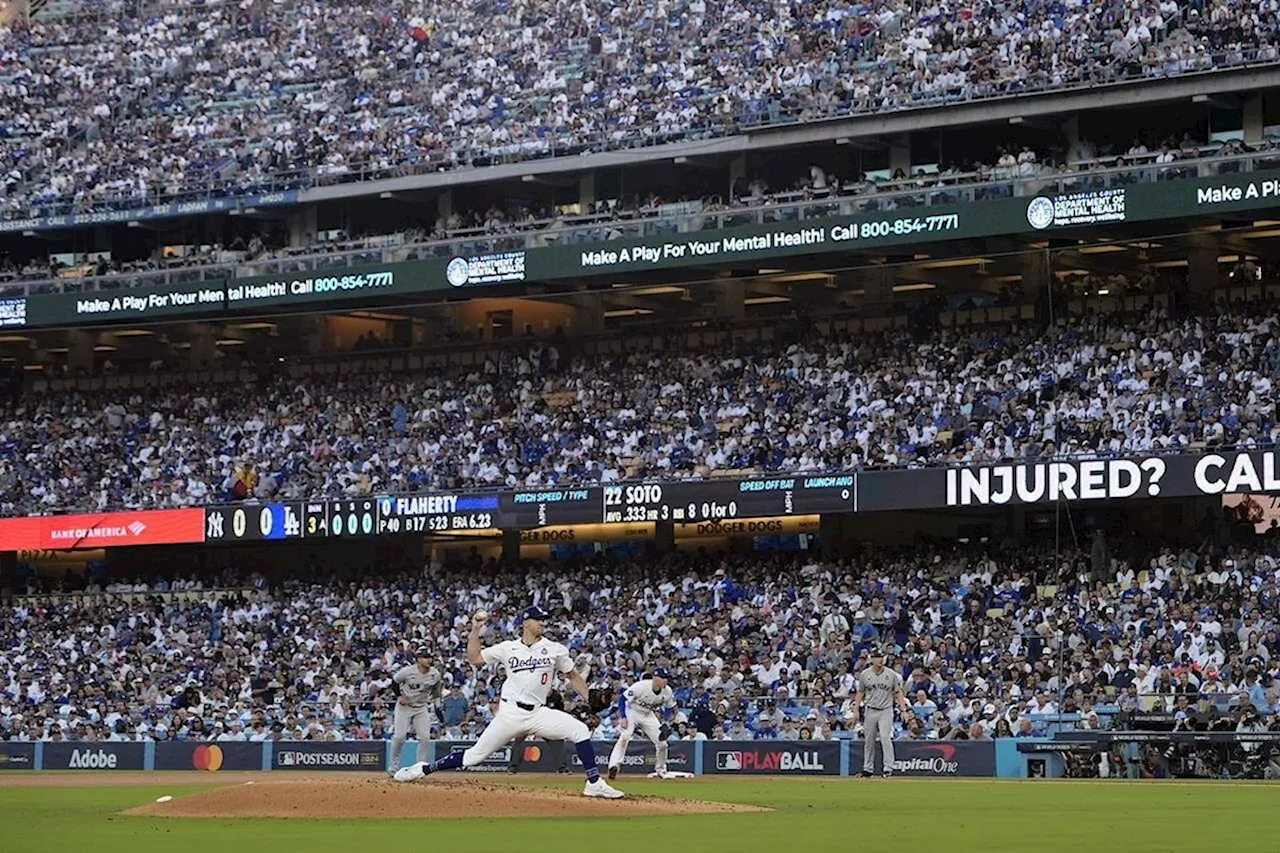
(955, 262)
(657, 290)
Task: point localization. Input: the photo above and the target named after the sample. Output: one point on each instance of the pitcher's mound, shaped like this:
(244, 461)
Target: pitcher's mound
(442, 798)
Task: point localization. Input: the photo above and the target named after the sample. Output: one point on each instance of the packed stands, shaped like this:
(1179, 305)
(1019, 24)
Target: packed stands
(1085, 386)
(120, 108)
(761, 647)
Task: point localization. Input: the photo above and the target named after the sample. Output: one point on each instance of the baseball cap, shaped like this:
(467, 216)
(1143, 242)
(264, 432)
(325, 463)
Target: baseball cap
(877, 652)
(662, 672)
(422, 652)
(533, 611)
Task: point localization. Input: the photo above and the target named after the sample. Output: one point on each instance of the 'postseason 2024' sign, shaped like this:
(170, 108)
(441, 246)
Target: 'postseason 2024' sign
(1049, 481)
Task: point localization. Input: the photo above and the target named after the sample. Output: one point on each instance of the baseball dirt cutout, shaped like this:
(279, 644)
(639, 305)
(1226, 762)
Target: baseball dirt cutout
(436, 798)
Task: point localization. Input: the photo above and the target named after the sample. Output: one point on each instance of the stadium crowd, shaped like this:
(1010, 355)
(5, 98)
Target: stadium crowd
(530, 416)
(992, 642)
(124, 106)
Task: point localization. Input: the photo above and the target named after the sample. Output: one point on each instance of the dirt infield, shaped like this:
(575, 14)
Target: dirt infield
(433, 798)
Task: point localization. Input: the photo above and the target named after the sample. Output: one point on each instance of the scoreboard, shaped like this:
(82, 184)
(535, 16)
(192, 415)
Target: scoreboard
(291, 520)
(677, 502)
(726, 500)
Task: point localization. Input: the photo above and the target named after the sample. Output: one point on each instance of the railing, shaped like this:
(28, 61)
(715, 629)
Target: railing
(94, 599)
(761, 116)
(850, 199)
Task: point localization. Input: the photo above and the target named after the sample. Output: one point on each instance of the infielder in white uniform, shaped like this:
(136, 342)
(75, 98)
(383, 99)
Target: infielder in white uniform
(638, 710)
(418, 689)
(881, 688)
(532, 664)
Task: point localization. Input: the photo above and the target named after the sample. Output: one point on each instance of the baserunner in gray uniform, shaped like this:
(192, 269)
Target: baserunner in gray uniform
(881, 689)
(418, 688)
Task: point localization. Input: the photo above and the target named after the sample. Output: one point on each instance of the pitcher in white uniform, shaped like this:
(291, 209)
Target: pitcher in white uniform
(638, 710)
(532, 664)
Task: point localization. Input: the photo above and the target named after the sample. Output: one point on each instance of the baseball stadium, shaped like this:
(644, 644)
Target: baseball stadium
(830, 423)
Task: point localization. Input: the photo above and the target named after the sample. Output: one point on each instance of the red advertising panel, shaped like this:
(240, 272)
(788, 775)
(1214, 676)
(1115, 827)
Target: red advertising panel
(102, 530)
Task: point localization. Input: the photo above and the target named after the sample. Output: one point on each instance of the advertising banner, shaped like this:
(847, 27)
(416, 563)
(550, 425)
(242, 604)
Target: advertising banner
(17, 756)
(535, 759)
(1136, 478)
(13, 312)
(932, 758)
(358, 755)
(93, 756)
(640, 756)
(942, 219)
(209, 757)
(156, 211)
(102, 530)
(127, 305)
(542, 757)
(338, 284)
(785, 758)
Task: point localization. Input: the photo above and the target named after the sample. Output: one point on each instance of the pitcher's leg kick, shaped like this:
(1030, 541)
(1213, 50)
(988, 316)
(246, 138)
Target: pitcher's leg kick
(542, 723)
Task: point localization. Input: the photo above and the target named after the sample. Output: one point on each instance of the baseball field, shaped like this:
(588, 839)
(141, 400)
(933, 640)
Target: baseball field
(106, 813)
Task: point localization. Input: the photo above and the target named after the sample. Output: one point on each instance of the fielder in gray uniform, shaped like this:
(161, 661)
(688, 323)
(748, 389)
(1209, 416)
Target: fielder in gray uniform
(881, 689)
(418, 688)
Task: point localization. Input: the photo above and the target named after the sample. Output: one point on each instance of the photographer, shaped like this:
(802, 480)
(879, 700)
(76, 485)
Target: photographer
(1150, 763)
(1254, 754)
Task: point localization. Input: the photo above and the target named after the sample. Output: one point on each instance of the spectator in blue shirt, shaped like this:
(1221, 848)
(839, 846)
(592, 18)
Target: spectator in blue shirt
(1254, 690)
(454, 708)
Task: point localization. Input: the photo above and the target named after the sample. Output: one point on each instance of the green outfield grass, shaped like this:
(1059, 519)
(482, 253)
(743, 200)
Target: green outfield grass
(900, 815)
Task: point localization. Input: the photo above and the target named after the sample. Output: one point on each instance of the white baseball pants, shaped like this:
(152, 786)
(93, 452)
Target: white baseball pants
(512, 722)
(649, 726)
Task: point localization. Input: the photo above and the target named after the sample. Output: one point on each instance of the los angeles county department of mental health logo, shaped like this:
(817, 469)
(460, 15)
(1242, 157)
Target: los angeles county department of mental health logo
(458, 272)
(1040, 213)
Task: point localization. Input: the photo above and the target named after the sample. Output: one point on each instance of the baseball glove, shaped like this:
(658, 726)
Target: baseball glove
(598, 700)
(664, 732)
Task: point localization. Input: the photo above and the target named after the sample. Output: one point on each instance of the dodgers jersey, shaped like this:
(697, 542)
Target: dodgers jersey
(530, 669)
(418, 689)
(641, 698)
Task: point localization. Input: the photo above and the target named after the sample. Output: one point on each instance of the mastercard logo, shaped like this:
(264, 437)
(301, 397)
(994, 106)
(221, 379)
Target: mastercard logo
(532, 753)
(207, 757)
